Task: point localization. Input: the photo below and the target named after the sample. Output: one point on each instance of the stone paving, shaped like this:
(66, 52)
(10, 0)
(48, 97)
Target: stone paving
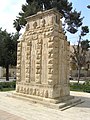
(12, 109)
(8, 116)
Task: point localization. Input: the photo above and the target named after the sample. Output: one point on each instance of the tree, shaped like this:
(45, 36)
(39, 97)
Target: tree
(8, 46)
(71, 17)
(79, 54)
(88, 6)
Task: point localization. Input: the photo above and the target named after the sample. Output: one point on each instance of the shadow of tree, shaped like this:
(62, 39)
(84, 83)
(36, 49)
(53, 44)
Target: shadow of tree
(84, 97)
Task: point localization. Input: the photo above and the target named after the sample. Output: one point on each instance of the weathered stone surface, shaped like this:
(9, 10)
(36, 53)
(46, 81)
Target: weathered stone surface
(43, 58)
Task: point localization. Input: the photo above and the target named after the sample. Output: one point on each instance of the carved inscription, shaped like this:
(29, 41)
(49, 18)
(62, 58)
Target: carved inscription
(33, 60)
(23, 60)
(44, 60)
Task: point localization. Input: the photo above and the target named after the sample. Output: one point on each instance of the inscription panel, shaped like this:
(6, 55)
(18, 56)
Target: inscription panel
(23, 60)
(44, 60)
(33, 60)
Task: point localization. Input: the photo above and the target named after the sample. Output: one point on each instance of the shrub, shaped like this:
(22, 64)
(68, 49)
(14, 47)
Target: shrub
(4, 86)
(85, 87)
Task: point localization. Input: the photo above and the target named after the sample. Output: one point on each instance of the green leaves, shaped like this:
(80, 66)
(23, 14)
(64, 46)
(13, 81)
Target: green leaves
(88, 6)
(8, 46)
(85, 87)
(17, 25)
(84, 30)
(85, 45)
(73, 19)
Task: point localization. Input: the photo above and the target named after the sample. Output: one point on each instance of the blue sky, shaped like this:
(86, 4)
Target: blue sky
(81, 5)
(9, 9)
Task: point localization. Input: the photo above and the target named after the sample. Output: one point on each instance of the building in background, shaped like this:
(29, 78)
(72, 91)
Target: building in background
(85, 70)
(12, 72)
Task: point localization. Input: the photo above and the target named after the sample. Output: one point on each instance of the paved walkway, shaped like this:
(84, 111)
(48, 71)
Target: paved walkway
(8, 116)
(15, 109)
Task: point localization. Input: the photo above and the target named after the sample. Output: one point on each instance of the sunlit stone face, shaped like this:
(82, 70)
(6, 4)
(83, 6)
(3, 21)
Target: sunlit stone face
(43, 58)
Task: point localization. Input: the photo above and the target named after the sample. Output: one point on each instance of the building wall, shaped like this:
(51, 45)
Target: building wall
(73, 72)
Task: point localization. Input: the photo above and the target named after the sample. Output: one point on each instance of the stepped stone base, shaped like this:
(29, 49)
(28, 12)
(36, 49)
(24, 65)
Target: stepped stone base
(62, 104)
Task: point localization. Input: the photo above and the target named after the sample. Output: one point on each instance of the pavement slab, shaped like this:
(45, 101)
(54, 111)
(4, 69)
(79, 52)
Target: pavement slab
(8, 116)
(20, 109)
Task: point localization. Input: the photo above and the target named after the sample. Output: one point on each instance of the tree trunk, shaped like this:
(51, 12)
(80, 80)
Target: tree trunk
(78, 74)
(7, 73)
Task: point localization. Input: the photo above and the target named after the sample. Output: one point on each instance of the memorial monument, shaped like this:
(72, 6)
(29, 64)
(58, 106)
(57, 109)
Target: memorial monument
(43, 59)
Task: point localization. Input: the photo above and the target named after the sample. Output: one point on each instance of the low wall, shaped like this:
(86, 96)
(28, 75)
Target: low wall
(12, 72)
(83, 73)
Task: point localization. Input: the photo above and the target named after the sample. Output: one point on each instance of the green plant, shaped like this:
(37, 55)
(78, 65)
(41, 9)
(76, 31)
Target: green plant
(6, 86)
(85, 87)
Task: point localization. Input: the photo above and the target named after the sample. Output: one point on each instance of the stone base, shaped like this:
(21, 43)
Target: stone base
(62, 104)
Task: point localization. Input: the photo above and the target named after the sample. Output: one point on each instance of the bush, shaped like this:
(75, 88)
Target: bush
(5, 86)
(76, 87)
(85, 87)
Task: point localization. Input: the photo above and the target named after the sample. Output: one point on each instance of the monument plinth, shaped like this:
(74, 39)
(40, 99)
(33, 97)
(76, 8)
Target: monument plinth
(43, 59)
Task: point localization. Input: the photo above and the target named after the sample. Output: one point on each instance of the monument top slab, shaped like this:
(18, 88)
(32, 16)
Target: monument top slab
(41, 14)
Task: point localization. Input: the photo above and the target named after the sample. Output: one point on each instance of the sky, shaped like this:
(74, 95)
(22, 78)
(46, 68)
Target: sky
(81, 5)
(9, 9)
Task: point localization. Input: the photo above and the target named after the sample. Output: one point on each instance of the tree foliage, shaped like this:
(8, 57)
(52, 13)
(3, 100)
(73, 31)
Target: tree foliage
(8, 46)
(71, 17)
(88, 6)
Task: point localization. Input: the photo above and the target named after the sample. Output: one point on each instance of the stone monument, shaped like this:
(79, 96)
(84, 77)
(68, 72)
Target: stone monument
(43, 59)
